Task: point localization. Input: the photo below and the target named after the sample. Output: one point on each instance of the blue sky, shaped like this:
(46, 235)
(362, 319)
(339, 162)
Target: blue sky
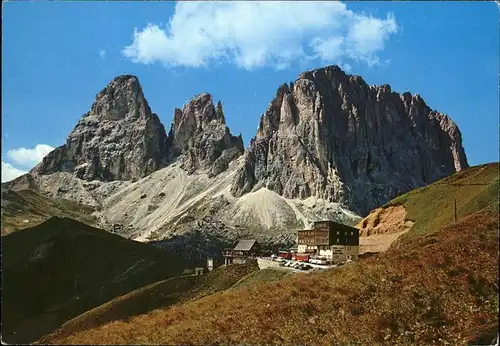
(58, 55)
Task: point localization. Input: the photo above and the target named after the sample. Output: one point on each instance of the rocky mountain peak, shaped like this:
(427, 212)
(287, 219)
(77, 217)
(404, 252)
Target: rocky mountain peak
(332, 136)
(199, 133)
(121, 98)
(328, 72)
(119, 139)
(197, 115)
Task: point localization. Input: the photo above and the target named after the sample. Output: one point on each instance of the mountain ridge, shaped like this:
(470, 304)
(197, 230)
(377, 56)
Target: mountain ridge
(328, 146)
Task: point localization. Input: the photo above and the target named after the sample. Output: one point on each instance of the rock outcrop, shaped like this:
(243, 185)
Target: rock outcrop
(200, 136)
(119, 139)
(332, 136)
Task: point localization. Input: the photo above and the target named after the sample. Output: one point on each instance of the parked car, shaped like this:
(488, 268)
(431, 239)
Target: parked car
(305, 267)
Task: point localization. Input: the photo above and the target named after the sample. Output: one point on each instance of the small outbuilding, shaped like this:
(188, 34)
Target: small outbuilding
(210, 264)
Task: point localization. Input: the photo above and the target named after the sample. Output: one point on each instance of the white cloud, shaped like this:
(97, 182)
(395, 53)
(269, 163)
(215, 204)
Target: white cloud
(9, 172)
(346, 67)
(102, 53)
(28, 158)
(256, 34)
(331, 48)
(367, 35)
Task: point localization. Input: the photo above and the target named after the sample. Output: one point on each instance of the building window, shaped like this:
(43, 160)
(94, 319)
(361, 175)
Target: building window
(338, 232)
(338, 240)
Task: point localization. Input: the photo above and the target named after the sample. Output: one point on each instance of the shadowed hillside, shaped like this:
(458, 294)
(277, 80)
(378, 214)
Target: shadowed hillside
(62, 268)
(438, 286)
(157, 295)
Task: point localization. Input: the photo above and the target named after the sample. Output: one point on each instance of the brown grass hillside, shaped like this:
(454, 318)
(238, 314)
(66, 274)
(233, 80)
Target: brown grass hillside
(439, 289)
(438, 286)
(261, 276)
(157, 295)
(62, 268)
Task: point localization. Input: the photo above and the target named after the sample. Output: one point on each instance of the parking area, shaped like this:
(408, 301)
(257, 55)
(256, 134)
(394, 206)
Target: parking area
(296, 266)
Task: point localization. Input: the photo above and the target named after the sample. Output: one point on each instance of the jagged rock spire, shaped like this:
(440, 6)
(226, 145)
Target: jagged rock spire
(200, 134)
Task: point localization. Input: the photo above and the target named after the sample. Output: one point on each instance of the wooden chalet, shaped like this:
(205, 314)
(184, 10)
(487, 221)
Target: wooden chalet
(242, 251)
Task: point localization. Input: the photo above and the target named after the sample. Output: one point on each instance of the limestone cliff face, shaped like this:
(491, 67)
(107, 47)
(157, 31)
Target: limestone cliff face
(200, 136)
(332, 136)
(119, 139)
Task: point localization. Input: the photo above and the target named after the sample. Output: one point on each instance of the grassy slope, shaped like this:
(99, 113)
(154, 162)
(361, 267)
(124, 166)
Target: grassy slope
(263, 276)
(30, 205)
(440, 285)
(432, 206)
(155, 296)
(61, 268)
